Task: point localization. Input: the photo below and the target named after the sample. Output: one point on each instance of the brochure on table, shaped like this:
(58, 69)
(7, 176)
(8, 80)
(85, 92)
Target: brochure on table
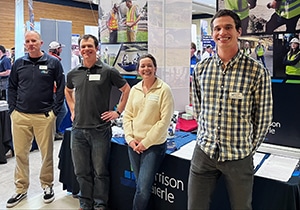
(272, 166)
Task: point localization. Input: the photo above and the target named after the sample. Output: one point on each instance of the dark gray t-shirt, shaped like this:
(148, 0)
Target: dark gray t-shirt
(92, 92)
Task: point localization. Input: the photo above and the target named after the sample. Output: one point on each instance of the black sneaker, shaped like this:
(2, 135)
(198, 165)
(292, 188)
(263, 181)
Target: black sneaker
(48, 195)
(15, 199)
(58, 136)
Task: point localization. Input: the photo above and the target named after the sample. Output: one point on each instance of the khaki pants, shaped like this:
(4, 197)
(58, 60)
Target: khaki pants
(24, 128)
(131, 35)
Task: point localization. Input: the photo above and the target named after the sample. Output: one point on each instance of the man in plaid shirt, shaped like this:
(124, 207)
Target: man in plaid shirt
(233, 104)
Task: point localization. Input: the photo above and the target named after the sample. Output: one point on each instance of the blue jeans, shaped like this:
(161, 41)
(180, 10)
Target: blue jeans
(204, 173)
(262, 58)
(145, 166)
(90, 153)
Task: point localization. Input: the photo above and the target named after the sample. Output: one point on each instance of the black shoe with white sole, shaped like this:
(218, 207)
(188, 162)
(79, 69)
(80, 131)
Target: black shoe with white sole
(15, 199)
(48, 195)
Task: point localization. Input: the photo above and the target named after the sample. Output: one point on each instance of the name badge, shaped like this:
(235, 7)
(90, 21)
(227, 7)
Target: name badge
(235, 95)
(94, 77)
(43, 67)
(153, 97)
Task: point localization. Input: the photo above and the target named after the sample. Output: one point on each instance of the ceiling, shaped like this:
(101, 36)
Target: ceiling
(200, 8)
(203, 7)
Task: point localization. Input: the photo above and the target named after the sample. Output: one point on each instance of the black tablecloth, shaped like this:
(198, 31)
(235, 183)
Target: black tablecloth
(67, 176)
(267, 194)
(5, 135)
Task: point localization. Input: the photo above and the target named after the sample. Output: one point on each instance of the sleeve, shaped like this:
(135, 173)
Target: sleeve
(128, 118)
(263, 109)
(137, 14)
(12, 87)
(284, 61)
(117, 79)
(6, 64)
(291, 62)
(60, 83)
(69, 83)
(196, 92)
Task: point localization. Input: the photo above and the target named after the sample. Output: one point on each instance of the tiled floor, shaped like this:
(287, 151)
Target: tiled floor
(34, 200)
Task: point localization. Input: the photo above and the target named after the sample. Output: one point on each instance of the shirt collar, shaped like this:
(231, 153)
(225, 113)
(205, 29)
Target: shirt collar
(98, 64)
(157, 84)
(232, 61)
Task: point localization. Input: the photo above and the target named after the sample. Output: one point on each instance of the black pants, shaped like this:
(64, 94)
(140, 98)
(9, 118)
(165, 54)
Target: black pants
(276, 21)
(3, 88)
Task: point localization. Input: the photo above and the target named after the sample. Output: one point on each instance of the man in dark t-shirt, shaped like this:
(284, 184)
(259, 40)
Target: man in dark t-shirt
(88, 94)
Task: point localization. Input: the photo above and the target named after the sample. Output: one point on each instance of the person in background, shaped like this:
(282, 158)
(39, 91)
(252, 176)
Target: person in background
(33, 112)
(112, 24)
(136, 58)
(233, 106)
(246, 49)
(194, 58)
(132, 18)
(12, 55)
(125, 60)
(55, 49)
(260, 51)
(242, 9)
(76, 58)
(292, 60)
(88, 94)
(208, 52)
(286, 13)
(146, 120)
(105, 55)
(5, 68)
(198, 55)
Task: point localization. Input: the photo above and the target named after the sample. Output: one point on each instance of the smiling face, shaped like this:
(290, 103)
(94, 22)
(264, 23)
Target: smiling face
(147, 69)
(225, 33)
(88, 50)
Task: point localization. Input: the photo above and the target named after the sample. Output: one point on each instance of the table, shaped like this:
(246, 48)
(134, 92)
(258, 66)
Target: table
(67, 176)
(5, 135)
(170, 187)
(267, 194)
(6, 142)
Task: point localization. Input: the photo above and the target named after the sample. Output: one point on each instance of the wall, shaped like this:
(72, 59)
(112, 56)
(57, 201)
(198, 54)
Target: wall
(78, 16)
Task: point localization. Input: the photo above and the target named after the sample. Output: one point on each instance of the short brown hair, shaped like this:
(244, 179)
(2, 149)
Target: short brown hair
(193, 46)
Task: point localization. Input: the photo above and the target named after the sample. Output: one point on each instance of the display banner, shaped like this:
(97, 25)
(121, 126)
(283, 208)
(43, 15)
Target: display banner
(284, 129)
(124, 34)
(270, 35)
(265, 16)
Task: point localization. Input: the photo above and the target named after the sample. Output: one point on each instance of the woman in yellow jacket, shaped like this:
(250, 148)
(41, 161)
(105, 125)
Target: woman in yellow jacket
(146, 120)
(292, 60)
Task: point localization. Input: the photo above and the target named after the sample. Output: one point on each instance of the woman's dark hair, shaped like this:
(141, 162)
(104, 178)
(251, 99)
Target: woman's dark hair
(86, 37)
(146, 56)
(226, 12)
(293, 52)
